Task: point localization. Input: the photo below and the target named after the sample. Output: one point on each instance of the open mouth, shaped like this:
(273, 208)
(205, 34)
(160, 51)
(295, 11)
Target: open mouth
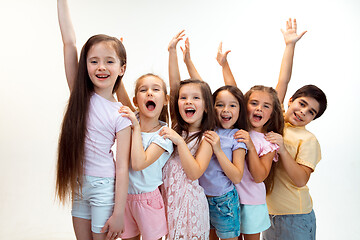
(257, 118)
(150, 105)
(226, 119)
(189, 112)
(297, 117)
(102, 76)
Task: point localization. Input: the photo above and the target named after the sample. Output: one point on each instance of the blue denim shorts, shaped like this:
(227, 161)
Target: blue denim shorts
(95, 201)
(254, 218)
(291, 227)
(225, 214)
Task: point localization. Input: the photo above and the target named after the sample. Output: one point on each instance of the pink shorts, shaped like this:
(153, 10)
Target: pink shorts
(145, 215)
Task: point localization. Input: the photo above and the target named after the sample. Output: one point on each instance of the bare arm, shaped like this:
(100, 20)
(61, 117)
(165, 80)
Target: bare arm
(233, 170)
(290, 37)
(193, 167)
(259, 167)
(69, 41)
(174, 73)
(187, 60)
(222, 60)
(115, 224)
(140, 159)
(123, 96)
(298, 173)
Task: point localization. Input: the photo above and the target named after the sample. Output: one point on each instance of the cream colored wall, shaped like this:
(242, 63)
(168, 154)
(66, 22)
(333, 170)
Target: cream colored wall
(34, 91)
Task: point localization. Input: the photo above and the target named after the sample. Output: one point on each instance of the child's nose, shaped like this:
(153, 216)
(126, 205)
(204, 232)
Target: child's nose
(101, 66)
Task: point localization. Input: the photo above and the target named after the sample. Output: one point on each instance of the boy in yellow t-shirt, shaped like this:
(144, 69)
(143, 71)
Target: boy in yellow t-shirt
(290, 204)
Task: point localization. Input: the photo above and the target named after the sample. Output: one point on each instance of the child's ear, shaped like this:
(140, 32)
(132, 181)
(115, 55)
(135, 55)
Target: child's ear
(290, 101)
(135, 102)
(122, 70)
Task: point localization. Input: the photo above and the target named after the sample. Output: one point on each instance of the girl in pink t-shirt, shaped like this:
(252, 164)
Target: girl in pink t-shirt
(264, 115)
(86, 168)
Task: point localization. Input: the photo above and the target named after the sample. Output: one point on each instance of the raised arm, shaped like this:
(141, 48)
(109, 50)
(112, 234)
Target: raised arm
(140, 159)
(123, 96)
(69, 41)
(174, 73)
(290, 37)
(222, 60)
(187, 60)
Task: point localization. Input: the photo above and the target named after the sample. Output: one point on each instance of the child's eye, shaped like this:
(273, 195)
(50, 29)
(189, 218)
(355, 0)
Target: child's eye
(219, 105)
(142, 90)
(110, 62)
(233, 106)
(267, 106)
(182, 97)
(93, 61)
(157, 89)
(312, 113)
(196, 97)
(302, 104)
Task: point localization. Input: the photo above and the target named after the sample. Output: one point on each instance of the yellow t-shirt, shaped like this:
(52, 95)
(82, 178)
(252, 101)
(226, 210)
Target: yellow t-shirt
(286, 198)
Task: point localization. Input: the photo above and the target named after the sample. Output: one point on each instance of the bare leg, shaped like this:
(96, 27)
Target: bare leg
(133, 238)
(213, 235)
(82, 228)
(255, 236)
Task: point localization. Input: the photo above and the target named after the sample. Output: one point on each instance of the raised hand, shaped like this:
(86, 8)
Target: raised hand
(222, 57)
(186, 50)
(214, 140)
(290, 35)
(174, 41)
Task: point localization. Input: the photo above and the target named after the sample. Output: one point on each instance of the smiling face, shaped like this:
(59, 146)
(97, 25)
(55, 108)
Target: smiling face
(301, 111)
(259, 109)
(150, 96)
(227, 109)
(191, 105)
(104, 66)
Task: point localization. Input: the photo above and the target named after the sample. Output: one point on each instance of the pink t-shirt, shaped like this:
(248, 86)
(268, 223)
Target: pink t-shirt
(249, 191)
(104, 121)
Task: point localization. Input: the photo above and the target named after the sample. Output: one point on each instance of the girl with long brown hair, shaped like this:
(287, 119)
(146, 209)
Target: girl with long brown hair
(264, 115)
(86, 168)
(192, 114)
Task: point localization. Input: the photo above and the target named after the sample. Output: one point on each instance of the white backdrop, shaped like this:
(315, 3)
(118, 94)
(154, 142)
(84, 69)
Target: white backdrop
(34, 90)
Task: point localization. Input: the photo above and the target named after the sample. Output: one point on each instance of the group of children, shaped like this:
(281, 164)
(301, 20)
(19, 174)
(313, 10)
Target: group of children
(231, 165)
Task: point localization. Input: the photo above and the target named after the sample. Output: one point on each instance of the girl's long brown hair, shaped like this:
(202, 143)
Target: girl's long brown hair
(274, 124)
(70, 163)
(208, 121)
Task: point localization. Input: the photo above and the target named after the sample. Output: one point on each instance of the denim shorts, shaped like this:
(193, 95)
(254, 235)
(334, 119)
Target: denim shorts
(95, 201)
(254, 218)
(291, 227)
(225, 214)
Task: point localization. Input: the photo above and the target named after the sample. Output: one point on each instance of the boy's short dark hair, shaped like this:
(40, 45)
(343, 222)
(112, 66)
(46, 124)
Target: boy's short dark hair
(314, 92)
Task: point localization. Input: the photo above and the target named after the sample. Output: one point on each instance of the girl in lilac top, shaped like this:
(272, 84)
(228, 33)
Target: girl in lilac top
(264, 115)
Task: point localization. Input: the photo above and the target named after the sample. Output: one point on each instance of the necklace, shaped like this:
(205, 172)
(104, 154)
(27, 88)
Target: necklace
(152, 128)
